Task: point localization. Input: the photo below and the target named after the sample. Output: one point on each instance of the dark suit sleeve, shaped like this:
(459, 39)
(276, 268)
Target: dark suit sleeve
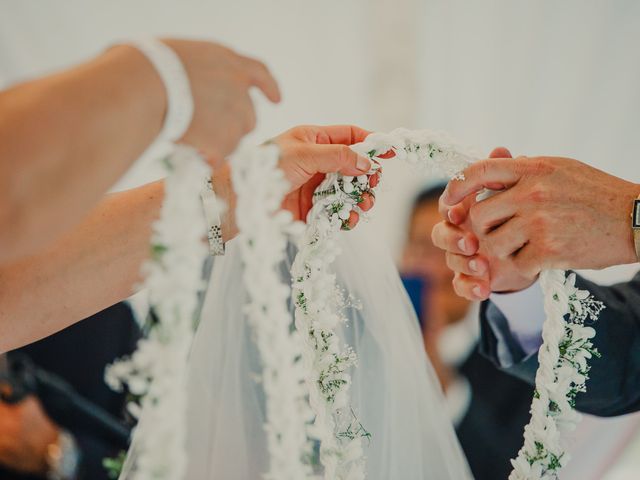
(613, 387)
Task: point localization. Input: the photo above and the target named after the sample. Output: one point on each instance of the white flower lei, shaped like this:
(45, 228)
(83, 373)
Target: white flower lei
(156, 371)
(260, 187)
(560, 377)
(318, 301)
(563, 355)
(173, 278)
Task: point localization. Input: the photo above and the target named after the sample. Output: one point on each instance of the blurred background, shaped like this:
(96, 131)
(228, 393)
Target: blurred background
(543, 77)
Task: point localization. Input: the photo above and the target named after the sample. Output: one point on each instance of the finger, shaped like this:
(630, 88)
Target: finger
(474, 266)
(261, 77)
(351, 223)
(335, 158)
(453, 239)
(494, 174)
(507, 239)
(374, 179)
(458, 213)
(527, 262)
(492, 211)
(305, 199)
(340, 134)
(368, 200)
(500, 152)
(471, 288)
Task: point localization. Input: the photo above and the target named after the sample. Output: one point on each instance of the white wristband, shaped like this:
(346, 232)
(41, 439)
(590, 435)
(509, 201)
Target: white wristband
(176, 83)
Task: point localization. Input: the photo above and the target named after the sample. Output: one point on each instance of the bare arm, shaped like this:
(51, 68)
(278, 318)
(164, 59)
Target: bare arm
(66, 138)
(88, 269)
(98, 262)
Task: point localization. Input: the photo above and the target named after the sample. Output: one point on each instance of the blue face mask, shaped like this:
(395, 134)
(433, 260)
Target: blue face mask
(418, 289)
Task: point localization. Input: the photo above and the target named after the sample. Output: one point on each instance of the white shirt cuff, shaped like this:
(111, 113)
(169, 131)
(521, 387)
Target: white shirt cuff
(524, 312)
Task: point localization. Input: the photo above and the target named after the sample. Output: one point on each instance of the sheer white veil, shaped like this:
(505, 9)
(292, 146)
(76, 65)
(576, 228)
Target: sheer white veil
(395, 393)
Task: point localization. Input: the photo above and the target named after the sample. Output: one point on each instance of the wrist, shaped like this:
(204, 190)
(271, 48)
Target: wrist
(634, 231)
(62, 457)
(223, 189)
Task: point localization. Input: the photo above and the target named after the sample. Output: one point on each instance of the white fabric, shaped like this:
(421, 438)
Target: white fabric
(176, 83)
(395, 393)
(457, 341)
(458, 397)
(524, 311)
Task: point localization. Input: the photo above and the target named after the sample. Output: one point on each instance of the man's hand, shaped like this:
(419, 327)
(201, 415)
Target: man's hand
(553, 213)
(25, 434)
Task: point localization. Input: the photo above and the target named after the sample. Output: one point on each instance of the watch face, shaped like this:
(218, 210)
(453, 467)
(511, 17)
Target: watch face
(636, 214)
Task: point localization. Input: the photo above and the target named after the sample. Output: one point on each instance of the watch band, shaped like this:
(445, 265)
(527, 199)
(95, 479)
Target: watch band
(635, 225)
(212, 214)
(63, 457)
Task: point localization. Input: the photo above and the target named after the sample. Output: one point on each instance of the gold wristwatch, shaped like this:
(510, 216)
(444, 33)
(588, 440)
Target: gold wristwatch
(635, 225)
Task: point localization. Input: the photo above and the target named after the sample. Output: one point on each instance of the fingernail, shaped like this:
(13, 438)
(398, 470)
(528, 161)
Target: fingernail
(363, 164)
(462, 245)
(477, 291)
(449, 216)
(473, 265)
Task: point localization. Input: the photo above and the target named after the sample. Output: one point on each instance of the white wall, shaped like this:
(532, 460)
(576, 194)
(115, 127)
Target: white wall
(541, 77)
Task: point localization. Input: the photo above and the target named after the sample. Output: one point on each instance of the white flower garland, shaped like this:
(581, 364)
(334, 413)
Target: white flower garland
(563, 356)
(318, 301)
(156, 371)
(560, 377)
(260, 187)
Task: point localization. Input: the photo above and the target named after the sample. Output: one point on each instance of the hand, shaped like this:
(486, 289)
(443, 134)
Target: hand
(554, 213)
(309, 152)
(220, 81)
(26, 432)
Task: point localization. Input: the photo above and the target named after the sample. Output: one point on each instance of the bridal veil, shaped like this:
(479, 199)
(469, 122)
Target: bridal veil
(395, 394)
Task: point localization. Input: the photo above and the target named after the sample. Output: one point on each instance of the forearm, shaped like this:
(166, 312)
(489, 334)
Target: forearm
(66, 138)
(223, 188)
(88, 269)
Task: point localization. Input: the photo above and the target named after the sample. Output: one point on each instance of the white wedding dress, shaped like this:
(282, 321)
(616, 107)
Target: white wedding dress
(395, 393)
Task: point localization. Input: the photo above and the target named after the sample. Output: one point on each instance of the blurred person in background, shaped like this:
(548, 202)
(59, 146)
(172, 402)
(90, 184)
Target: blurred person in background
(488, 407)
(44, 435)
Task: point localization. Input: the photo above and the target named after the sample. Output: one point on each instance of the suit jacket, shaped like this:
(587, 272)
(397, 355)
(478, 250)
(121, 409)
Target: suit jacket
(79, 355)
(613, 387)
(490, 433)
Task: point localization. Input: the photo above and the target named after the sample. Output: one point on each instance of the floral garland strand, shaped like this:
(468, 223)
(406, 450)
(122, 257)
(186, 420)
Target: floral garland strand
(318, 300)
(564, 354)
(561, 375)
(156, 371)
(260, 187)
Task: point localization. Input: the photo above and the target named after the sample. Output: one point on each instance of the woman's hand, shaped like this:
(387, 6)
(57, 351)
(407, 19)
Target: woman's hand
(307, 153)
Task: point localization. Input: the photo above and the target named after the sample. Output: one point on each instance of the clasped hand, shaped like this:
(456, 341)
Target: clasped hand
(548, 212)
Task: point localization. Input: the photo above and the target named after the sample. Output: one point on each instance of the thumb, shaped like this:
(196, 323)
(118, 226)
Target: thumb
(500, 152)
(337, 158)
